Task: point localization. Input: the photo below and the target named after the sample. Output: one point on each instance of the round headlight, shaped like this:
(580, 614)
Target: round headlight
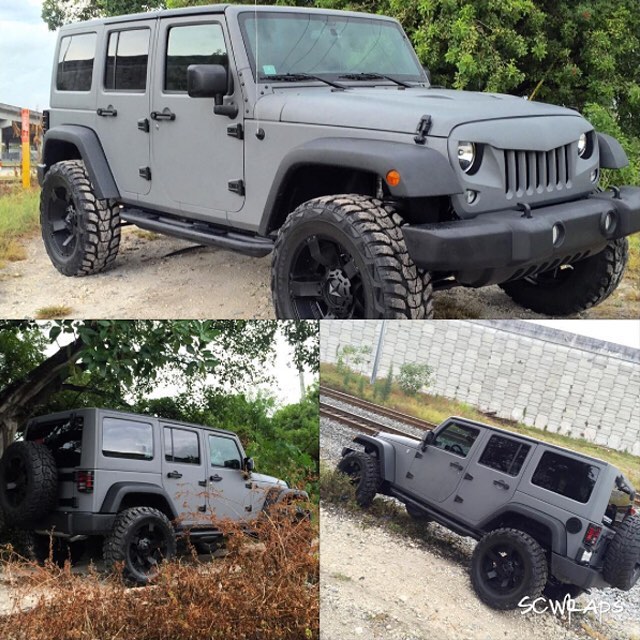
(583, 142)
(466, 155)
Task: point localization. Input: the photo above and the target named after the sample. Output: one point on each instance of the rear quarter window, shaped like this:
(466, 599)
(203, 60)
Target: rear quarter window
(565, 476)
(128, 439)
(75, 62)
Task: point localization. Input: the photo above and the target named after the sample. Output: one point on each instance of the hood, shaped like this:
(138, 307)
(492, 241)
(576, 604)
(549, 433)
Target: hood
(394, 110)
(403, 441)
(261, 478)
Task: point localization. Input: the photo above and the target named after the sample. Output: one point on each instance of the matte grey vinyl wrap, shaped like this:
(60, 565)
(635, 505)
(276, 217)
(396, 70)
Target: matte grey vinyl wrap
(386, 454)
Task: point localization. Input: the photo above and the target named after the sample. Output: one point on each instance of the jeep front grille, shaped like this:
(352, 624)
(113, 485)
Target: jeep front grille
(529, 172)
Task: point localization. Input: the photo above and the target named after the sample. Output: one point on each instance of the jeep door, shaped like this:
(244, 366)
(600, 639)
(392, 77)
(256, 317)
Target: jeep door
(436, 472)
(491, 478)
(122, 119)
(184, 473)
(229, 488)
(195, 159)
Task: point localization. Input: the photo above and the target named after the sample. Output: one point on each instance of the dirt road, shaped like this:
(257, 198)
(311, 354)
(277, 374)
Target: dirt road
(151, 281)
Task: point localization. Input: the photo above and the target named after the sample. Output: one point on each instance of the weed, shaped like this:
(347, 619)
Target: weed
(54, 311)
(18, 220)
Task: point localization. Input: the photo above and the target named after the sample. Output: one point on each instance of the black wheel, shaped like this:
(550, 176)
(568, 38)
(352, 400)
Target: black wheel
(81, 233)
(555, 590)
(572, 288)
(364, 472)
(621, 567)
(28, 483)
(506, 566)
(141, 539)
(417, 514)
(41, 548)
(345, 257)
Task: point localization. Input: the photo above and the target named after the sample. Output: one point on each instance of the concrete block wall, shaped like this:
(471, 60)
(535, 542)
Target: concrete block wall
(542, 377)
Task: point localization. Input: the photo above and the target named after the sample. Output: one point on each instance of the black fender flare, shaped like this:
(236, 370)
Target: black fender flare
(386, 455)
(612, 155)
(118, 491)
(91, 152)
(557, 528)
(424, 171)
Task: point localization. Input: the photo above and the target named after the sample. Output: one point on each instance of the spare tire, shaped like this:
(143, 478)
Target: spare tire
(622, 560)
(28, 483)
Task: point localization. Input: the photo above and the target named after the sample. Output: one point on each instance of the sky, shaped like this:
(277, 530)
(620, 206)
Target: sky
(26, 54)
(625, 332)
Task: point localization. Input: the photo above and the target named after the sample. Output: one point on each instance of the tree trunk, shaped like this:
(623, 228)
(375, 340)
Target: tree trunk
(18, 399)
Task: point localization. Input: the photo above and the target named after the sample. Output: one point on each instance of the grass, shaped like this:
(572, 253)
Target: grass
(53, 312)
(436, 408)
(18, 220)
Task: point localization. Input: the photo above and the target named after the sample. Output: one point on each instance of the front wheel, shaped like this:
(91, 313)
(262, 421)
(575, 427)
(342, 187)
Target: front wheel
(364, 472)
(345, 257)
(572, 288)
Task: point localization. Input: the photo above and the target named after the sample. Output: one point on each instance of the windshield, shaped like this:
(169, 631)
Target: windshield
(311, 43)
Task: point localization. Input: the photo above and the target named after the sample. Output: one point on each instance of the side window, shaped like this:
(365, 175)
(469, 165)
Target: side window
(457, 439)
(192, 44)
(224, 452)
(569, 477)
(127, 57)
(75, 62)
(504, 454)
(123, 438)
(181, 445)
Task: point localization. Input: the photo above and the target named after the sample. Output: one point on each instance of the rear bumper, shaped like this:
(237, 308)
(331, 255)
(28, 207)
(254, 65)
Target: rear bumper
(504, 245)
(77, 524)
(568, 570)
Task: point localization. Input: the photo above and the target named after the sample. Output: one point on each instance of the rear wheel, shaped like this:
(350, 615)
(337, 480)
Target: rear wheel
(363, 470)
(572, 288)
(622, 561)
(506, 566)
(141, 539)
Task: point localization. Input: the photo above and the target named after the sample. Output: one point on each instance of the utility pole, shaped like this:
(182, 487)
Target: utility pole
(376, 360)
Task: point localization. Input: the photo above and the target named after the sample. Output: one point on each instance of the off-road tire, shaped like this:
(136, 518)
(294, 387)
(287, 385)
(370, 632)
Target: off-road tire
(367, 480)
(97, 222)
(28, 483)
(535, 568)
(621, 567)
(116, 544)
(371, 231)
(590, 282)
(417, 515)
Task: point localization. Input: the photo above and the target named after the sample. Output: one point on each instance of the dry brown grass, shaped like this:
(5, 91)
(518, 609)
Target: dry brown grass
(54, 312)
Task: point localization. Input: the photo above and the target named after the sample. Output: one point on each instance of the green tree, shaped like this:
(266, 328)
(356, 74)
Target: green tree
(58, 12)
(413, 377)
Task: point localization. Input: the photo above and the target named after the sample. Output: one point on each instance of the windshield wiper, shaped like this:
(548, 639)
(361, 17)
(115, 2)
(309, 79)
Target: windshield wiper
(299, 77)
(376, 76)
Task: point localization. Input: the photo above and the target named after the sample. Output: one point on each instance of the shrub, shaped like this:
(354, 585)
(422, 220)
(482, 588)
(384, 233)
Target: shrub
(413, 377)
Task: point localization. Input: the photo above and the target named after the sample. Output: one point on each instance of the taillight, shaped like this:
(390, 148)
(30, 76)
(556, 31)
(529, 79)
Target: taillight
(84, 481)
(45, 121)
(592, 535)
(632, 511)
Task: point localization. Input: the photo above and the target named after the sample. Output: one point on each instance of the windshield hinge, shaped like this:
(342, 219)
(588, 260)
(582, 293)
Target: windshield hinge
(424, 127)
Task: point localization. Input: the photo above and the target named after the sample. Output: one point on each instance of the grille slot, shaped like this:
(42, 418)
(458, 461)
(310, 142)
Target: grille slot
(529, 172)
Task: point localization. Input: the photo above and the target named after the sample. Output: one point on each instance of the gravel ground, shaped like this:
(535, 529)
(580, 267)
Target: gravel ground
(374, 600)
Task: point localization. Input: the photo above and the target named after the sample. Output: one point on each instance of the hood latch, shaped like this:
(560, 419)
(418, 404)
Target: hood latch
(424, 126)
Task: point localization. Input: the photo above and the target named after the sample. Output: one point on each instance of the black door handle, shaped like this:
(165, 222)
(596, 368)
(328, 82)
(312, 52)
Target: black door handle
(174, 474)
(163, 115)
(107, 113)
(456, 465)
(215, 478)
(501, 483)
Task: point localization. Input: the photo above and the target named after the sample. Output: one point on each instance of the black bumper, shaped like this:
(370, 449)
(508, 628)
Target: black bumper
(77, 524)
(568, 570)
(504, 245)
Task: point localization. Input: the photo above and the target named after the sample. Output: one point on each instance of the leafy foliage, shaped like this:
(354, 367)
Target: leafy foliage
(413, 377)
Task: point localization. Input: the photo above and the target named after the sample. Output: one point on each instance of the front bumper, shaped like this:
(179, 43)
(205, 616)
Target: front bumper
(504, 245)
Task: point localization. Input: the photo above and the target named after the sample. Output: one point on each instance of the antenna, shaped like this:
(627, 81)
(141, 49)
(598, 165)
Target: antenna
(255, 104)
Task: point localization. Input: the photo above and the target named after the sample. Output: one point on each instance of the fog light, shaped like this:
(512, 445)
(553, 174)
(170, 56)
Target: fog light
(608, 222)
(557, 235)
(471, 196)
(595, 174)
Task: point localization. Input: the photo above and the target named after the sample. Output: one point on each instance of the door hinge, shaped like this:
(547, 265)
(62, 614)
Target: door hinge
(143, 124)
(249, 485)
(202, 509)
(249, 508)
(145, 172)
(409, 475)
(424, 126)
(202, 483)
(468, 476)
(236, 131)
(458, 499)
(419, 455)
(237, 186)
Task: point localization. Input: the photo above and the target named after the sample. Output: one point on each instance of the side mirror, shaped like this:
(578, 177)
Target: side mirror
(428, 439)
(207, 81)
(249, 465)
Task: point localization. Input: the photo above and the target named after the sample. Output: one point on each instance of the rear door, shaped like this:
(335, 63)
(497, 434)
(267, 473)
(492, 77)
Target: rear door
(183, 473)
(492, 477)
(436, 473)
(122, 114)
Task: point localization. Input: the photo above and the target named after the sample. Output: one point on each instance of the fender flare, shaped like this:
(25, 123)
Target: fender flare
(612, 155)
(91, 152)
(557, 528)
(277, 494)
(424, 171)
(118, 491)
(386, 455)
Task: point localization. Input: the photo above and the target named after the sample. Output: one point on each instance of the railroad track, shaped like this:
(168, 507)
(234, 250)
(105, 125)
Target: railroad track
(423, 425)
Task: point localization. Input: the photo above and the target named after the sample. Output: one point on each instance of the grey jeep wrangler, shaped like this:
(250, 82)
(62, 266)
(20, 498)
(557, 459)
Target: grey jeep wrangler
(136, 481)
(547, 519)
(317, 136)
